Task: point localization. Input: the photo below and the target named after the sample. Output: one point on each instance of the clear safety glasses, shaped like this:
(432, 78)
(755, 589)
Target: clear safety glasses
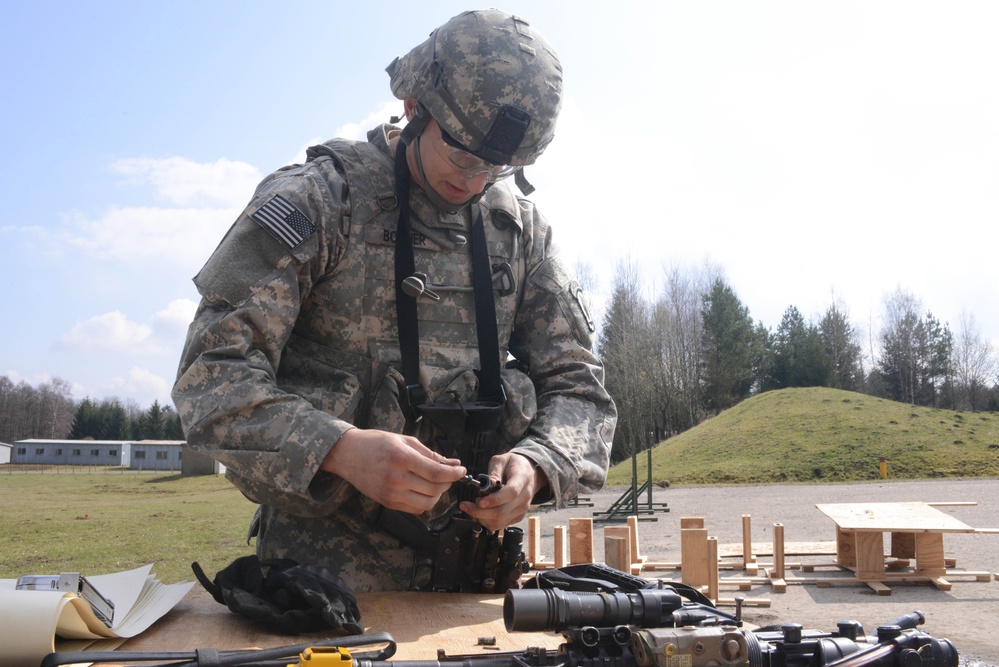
(470, 165)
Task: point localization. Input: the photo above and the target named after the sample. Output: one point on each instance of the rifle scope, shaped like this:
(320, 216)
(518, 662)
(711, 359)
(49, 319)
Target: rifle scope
(544, 610)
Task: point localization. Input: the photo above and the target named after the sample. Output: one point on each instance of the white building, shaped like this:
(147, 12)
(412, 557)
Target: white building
(68, 452)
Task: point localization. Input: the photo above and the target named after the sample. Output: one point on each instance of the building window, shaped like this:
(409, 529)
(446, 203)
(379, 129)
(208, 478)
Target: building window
(39, 451)
(21, 451)
(76, 452)
(95, 452)
(59, 452)
(161, 456)
(112, 452)
(140, 454)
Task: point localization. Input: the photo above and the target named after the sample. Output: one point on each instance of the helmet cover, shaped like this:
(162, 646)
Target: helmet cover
(491, 82)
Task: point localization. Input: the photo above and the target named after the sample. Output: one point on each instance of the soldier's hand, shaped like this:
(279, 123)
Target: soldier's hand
(395, 470)
(521, 482)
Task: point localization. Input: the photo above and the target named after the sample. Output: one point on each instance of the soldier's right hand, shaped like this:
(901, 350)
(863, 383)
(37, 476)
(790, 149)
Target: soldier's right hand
(397, 471)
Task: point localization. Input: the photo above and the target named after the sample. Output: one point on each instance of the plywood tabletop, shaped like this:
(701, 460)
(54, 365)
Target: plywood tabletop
(421, 623)
(893, 517)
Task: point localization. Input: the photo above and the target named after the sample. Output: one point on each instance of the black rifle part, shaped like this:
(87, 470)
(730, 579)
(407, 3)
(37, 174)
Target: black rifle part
(896, 644)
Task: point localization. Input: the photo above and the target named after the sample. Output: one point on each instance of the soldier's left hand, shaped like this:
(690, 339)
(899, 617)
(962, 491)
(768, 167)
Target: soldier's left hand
(521, 482)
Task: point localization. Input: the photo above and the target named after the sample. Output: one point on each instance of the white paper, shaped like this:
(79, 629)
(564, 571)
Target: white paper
(36, 623)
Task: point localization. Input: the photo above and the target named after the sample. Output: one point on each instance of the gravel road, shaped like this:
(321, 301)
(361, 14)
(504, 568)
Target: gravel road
(967, 615)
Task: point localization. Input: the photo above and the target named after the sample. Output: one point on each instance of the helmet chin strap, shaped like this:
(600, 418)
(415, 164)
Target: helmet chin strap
(411, 137)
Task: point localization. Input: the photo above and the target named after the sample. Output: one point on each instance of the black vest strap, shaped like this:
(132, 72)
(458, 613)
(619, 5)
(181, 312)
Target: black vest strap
(405, 305)
(490, 387)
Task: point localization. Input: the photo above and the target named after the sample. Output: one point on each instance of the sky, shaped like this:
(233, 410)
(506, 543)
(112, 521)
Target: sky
(814, 152)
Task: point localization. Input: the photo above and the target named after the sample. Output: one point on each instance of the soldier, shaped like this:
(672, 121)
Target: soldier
(367, 304)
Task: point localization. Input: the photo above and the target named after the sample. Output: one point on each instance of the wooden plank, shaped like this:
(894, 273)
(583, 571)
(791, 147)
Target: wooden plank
(580, 540)
(930, 560)
(694, 556)
(892, 517)
(617, 552)
(870, 563)
(421, 623)
(561, 541)
(636, 555)
(846, 547)
(878, 587)
(748, 559)
(712, 562)
(903, 545)
(622, 562)
(534, 539)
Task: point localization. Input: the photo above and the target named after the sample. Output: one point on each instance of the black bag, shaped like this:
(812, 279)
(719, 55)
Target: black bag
(284, 595)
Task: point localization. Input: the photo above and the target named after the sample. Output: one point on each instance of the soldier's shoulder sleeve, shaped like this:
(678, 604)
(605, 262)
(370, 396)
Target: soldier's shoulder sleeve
(548, 274)
(293, 218)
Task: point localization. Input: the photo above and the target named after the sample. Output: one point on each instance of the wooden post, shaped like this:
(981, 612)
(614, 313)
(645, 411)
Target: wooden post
(748, 559)
(777, 576)
(637, 559)
(580, 540)
(712, 556)
(694, 555)
(534, 540)
(560, 545)
(617, 552)
(618, 533)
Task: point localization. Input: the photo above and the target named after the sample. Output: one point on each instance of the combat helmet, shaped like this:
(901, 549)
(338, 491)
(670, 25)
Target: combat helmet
(491, 82)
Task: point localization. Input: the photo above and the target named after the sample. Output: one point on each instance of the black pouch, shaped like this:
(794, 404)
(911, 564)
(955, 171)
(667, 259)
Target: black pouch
(284, 595)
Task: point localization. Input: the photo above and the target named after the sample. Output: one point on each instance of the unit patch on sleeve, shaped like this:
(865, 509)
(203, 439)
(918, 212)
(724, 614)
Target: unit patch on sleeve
(280, 217)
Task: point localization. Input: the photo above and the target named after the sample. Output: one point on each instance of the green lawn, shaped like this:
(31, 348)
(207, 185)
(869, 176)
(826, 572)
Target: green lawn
(823, 435)
(111, 521)
(107, 521)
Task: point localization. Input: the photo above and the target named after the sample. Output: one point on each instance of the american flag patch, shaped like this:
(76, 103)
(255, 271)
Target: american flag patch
(281, 218)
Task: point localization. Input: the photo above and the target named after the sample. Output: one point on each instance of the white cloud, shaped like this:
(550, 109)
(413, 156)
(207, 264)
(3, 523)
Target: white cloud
(356, 131)
(178, 313)
(114, 332)
(184, 236)
(382, 114)
(141, 384)
(183, 182)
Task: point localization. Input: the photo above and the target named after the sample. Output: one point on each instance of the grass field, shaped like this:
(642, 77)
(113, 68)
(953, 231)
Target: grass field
(823, 435)
(101, 523)
(111, 521)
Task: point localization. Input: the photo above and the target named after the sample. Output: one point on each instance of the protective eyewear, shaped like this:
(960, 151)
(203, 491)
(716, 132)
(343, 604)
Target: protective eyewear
(471, 165)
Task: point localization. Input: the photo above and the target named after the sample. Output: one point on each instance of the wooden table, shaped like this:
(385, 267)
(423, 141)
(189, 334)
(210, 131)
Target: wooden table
(421, 623)
(860, 529)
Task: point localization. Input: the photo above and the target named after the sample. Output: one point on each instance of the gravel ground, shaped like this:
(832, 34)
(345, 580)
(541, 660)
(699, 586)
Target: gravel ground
(967, 615)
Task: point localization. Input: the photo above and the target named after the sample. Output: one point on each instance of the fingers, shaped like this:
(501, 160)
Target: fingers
(510, 504)
(395, 470)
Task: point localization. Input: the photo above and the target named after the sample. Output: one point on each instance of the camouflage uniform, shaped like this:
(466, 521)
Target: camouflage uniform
(295, 342)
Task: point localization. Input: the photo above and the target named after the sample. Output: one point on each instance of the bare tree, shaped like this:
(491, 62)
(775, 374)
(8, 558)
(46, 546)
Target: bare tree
(676, 321)
(975, 364)
(626, 349)
(29, 412)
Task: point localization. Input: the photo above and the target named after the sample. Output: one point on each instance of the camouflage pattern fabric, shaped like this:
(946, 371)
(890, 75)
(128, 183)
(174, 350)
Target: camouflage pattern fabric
(295, 342)
(445, 74)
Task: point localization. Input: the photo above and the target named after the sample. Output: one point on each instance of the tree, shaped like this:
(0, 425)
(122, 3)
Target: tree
(676, 320)
(30, 412)
(975, 365)
(151, 425)
(839, 339)
(799, 358)
(728, 348)
(106, 420)
(626, 348)
(915, 352)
